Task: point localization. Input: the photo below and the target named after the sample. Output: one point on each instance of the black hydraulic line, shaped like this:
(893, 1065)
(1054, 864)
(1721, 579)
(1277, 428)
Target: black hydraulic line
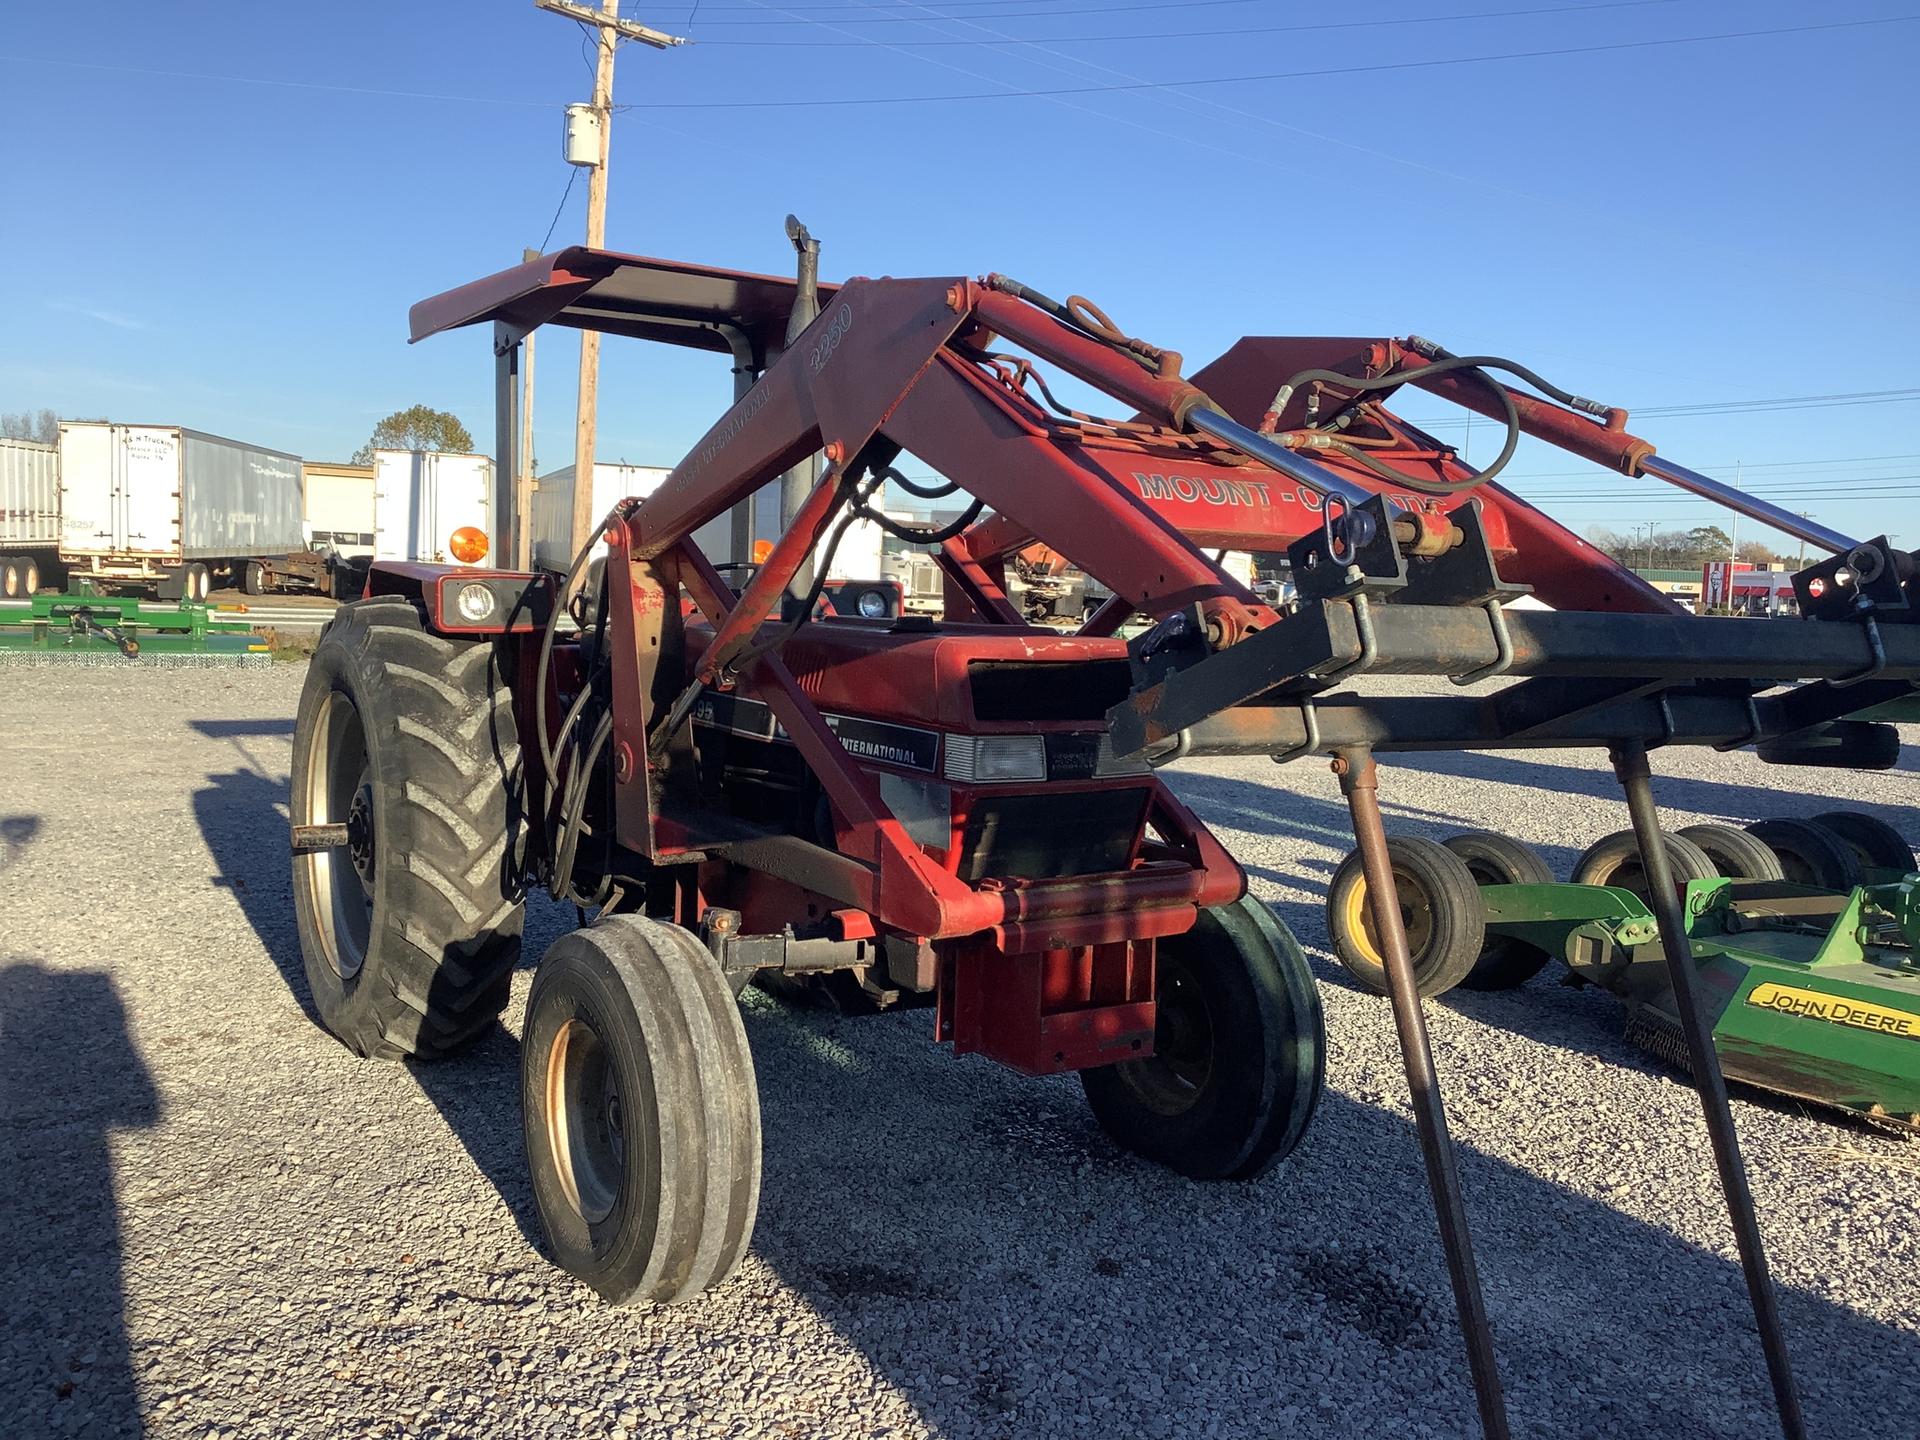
(1472, 365)
(913, 487)
(1630, 765)
(1359, 781)
(1066, 315)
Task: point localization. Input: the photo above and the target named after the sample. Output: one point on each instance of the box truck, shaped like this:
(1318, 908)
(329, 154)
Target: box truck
(172, 509)
(433, 505)
(29, 517)
(856, 584)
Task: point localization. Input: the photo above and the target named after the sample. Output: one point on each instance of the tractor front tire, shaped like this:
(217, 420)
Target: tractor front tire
(410, 932)
(1239, 1051)
(640, 1109)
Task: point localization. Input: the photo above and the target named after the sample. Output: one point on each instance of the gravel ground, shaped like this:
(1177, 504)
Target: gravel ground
(215, 1222)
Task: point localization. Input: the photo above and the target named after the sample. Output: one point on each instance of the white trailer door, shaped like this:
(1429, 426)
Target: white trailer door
(88, 494)
(148, 480)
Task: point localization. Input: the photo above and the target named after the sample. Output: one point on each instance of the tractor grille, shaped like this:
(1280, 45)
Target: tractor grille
(1039, 837)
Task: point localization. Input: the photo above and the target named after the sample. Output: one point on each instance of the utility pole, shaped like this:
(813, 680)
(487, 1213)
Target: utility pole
(609, 30)
(522, 559)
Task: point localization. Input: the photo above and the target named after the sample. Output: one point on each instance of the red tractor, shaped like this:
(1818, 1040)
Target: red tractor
(732, 781)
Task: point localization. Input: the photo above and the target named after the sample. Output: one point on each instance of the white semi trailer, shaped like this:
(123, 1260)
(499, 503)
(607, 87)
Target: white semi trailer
(172, 509)
(29, 516)
(434, 505)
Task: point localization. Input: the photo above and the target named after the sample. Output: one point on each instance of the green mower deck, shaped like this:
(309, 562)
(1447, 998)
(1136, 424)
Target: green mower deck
(95, 627)
(1813, 994)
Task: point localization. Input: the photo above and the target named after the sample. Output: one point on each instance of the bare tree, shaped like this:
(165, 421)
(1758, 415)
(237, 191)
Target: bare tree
(41, 425)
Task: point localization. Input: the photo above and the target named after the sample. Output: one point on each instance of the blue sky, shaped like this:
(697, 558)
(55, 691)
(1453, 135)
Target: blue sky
(217, 215)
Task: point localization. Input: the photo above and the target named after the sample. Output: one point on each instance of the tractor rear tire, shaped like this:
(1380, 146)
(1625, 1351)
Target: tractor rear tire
(1809, 854)
(1439, 904)
(1734, 853)
(640, 1111)
(1875, 843)
(1615, 860)
(1504, 961)
(1239, 1051)
(410, 934)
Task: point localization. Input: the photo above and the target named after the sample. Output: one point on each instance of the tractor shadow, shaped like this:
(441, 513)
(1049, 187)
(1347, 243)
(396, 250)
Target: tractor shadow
(70, 1075)
(242, 815)
(1010, 1272)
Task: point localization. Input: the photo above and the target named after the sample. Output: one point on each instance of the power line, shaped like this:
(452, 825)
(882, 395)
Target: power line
(1010, 94)
(1008, 40)
(1725, 464)
(872, 19)
(573, 174)
(1729, 407)
(824, 102)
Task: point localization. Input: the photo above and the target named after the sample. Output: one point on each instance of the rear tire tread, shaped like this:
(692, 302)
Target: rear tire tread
(443, 945)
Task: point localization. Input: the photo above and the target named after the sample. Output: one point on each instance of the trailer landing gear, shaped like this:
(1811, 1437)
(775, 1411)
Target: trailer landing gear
(641, 1115)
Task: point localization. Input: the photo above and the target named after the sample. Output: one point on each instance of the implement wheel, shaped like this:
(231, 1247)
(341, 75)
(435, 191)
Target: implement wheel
(1809, 853)
(1239, 1051)
(1504, 961)
(1734, 853)
(1439, 906)
(640, 1111)
(1615, 860)
(410, 932)
(1875, 844)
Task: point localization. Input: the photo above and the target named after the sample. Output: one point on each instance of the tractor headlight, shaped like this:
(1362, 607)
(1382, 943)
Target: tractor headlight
(475, 602)
(872, 605)
(979, 759)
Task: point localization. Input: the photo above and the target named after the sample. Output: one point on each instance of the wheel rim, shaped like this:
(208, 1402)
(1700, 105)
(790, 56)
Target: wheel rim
(338, 787)
(1173, 1079)
(586, 1121)
(1416, 917)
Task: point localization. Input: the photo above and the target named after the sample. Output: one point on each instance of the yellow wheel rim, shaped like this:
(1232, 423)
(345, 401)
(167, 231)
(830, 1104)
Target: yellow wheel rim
(1416, 914)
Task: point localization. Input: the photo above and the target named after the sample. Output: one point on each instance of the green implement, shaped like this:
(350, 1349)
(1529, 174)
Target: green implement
(1812, 993)
(96, 626)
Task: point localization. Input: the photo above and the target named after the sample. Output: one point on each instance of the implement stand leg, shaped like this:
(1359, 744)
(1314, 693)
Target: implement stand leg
(1630, 764)
(1359, 782)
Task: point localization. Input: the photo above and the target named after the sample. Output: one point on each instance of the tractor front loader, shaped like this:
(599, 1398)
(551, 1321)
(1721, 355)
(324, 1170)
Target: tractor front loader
(969, 808)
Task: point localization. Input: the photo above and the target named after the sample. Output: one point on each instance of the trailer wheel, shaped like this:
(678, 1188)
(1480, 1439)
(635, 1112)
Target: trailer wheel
(1875, 844)
(1239, 1051)
(410, 933)
(1505, 961)
(253, 578)
(1615, 860)
(1734, 853)
(196, 581)
(640, 1110)
(1439, 905)
(13, 580)
(1809, 854)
